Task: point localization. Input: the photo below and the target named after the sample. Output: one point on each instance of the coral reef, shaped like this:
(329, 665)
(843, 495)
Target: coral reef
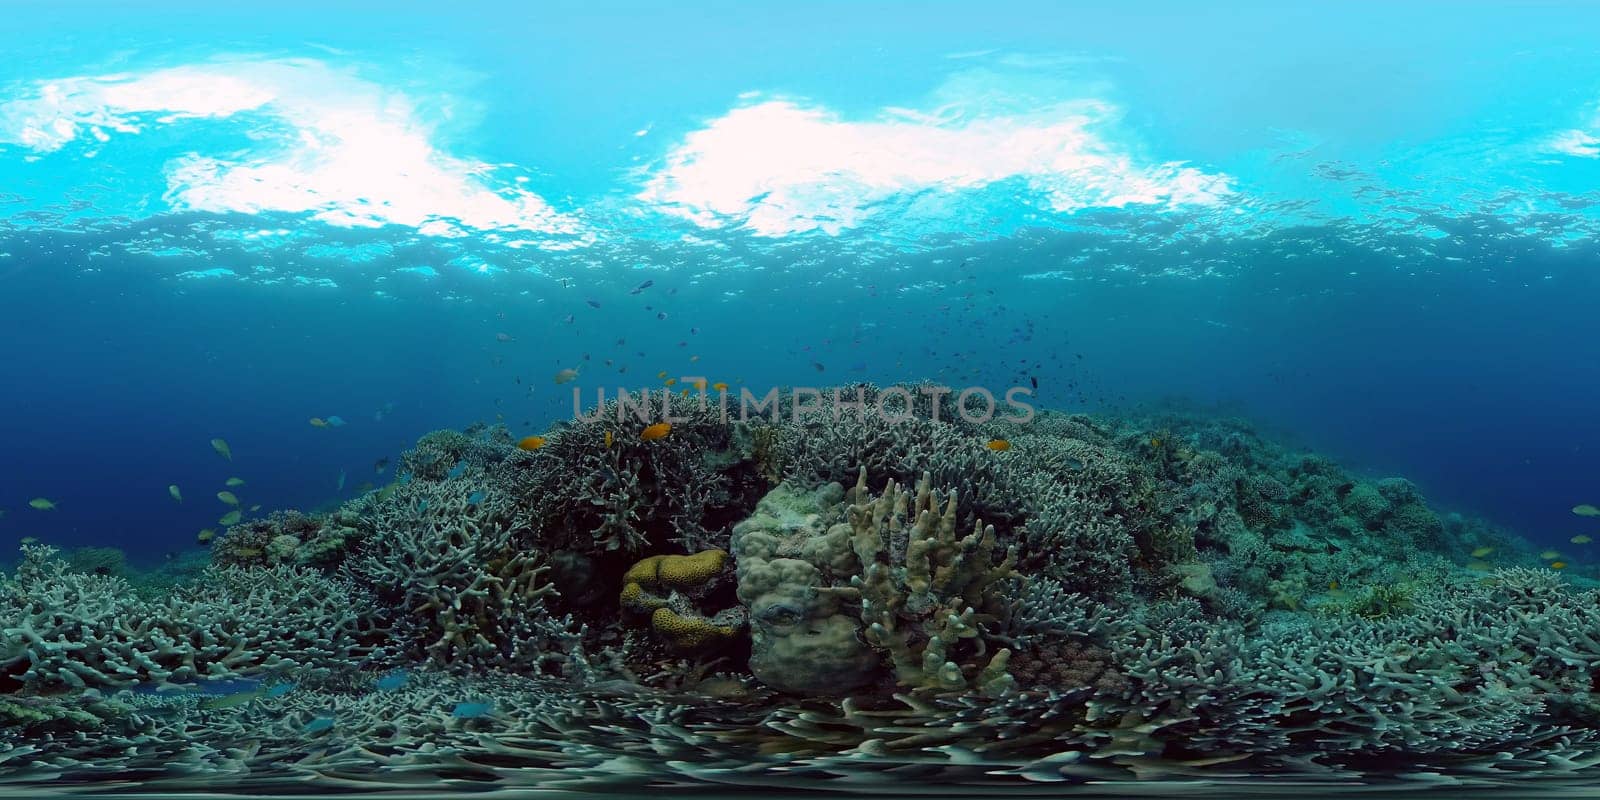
(1100, 599)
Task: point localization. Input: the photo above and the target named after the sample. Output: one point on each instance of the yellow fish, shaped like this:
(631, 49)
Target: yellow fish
(1558, 565)
(228, 497)
(222, 448)
(672, 381)
(231, 518)
(176, 495)
(318, 422)
(1482, 551)
(41, 504)
(998, 445)
(661, 374)
(1549, 554)
(699, 385)
(720, 386)
(1155, 441)
(656, 431)
(205, 535)
(609, 440)
(234, 482)
(1586, 510)
(1580, 539)
(566, 376)
(531, 442)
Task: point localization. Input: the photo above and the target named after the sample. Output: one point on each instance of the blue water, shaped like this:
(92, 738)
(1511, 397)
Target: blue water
(1376, 240)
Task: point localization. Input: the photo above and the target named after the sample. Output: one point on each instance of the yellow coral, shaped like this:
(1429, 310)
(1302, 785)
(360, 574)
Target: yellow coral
(687, 633)
(668, 571)
(685, 572)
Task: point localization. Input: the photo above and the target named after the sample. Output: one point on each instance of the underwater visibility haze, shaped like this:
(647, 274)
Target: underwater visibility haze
(881, 398)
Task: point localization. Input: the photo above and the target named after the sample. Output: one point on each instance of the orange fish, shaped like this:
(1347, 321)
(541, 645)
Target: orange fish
(656, 431)
(531, 442)
(699, 385)
(998, 445)
(661, 374)
(608, 440)
(318, 422)
(1558, 565)
(671, 381)
(720, 386)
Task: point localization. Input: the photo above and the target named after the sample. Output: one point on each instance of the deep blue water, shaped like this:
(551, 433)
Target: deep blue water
(1374, 240)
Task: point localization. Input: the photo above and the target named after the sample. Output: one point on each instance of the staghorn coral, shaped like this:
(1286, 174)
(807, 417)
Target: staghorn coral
(72, 631)
(454, 589)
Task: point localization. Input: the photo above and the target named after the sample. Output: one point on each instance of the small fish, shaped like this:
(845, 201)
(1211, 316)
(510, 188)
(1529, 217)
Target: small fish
(228, 497)
(531, 442)
(393, 681)
(693, 359)
(255, 508)
(475, 498)
(234, 482)
(641, 287)
(1034, 381)
(568, 319)
(1549, 555)
(222, 448)
(231, 518)
(609, 440)
(234, 700)
(566, 376)
(662, 374)
(30, 540)
(593, 303)
(661, 315)
(422, 505)
(1155, 441)
(338, 485)
(41, 504)
(720, 386)
(176, 495)
(205, 536)
(458, 470)
(1333, 586)
(471, 709)
(504, 337)
(998, 445)
(699, 384)
(318, 725)
(672, 381)
(1482, 551)
(656, 431)
(818, 365)
(336, 421)
(380, 466)
(318, 422)
(1580, 539)
(1480, 566)
(277, 690)
(1586, 510)
(1558, 565)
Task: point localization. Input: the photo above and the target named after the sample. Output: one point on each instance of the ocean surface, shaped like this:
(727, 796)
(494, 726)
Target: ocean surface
(319, 234)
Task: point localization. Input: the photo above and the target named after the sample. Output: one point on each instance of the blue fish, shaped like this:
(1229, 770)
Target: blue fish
(476, 497)
(393, 680)
(422, 505)
(278, 690)
(405, 478)
(318, 725)
(458, 470)
(471, 709)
